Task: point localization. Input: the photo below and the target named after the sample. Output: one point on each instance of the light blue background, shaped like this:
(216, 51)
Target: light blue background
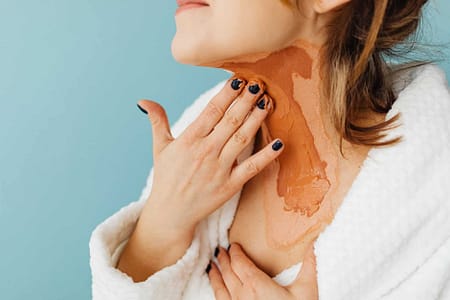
(74, 146)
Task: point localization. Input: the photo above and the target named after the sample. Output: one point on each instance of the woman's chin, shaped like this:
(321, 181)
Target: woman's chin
(184, 54)
(189, 57)
(197, 53)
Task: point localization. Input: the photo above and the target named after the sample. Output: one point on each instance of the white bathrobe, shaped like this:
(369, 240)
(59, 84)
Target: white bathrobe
(390, 238)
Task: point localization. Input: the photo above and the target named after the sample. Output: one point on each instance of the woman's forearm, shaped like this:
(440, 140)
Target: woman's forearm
(151, 248)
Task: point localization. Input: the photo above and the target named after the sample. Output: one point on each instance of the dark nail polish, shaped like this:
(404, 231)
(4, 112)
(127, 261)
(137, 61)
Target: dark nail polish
(143, 110)
(216, 252)
(208, 268)
(254, 88)
(262, 103)
(236, 84)
(277, 145)
(228, 248)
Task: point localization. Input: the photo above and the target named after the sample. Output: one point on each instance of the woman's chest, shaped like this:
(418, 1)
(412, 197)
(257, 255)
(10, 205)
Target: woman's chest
(253, 228)
(276, 239)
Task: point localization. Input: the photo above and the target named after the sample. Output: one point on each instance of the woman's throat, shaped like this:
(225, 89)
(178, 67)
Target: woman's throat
(295, 184)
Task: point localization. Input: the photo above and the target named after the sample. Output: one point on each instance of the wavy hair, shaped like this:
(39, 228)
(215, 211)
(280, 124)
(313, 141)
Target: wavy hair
(360, 35)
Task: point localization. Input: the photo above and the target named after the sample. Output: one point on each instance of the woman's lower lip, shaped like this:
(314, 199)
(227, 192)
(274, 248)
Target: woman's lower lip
(188, 6)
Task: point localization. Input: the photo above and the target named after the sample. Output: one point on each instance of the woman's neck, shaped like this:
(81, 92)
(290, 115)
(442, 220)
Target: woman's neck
(307, 166)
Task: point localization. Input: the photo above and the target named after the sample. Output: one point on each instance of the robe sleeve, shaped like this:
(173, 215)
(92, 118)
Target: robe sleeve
(108, 282)
(109, 238)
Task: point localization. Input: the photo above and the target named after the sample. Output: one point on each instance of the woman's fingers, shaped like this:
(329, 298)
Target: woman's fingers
(215, 109)
(243, 279)
(237, 113)
(255, 163)
(230, 278)
(217, 283)
(244, 268)
(306, 282)
(160, 124)
(242, 137)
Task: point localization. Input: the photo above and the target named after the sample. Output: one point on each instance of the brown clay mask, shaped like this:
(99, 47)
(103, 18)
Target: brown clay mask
(296, 183)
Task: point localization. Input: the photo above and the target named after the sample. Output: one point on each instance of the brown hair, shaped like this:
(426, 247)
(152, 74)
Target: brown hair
(359, 35)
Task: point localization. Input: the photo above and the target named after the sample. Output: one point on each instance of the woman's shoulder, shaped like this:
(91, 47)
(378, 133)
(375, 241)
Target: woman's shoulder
(395, 218)
(423, 100)
(426, 81)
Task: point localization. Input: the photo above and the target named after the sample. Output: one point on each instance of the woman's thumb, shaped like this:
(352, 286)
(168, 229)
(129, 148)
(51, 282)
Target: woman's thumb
(160, 124)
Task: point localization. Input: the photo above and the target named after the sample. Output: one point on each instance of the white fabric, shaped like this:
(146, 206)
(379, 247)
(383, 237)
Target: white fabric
(390, 238)
(288, 275)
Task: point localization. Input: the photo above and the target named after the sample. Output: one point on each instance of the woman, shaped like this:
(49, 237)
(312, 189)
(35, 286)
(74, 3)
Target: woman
(320, 167)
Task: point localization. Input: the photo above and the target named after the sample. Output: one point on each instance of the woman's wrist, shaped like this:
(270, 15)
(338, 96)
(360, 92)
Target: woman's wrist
(161, 230)
(160, 224)
(152, 246)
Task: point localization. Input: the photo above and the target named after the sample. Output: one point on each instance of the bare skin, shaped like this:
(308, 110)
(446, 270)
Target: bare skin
(273, 233)
(293, 197)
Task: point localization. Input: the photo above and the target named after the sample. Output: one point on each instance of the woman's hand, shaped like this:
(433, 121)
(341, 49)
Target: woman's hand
(196, 173)
(240, 278)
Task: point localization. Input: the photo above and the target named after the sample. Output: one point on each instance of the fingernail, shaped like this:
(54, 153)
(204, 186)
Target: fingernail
(236, 84)
(261, 103)
(254, 88)
(216, 252)
(277, 145)
(208, 268)
(143, 110)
